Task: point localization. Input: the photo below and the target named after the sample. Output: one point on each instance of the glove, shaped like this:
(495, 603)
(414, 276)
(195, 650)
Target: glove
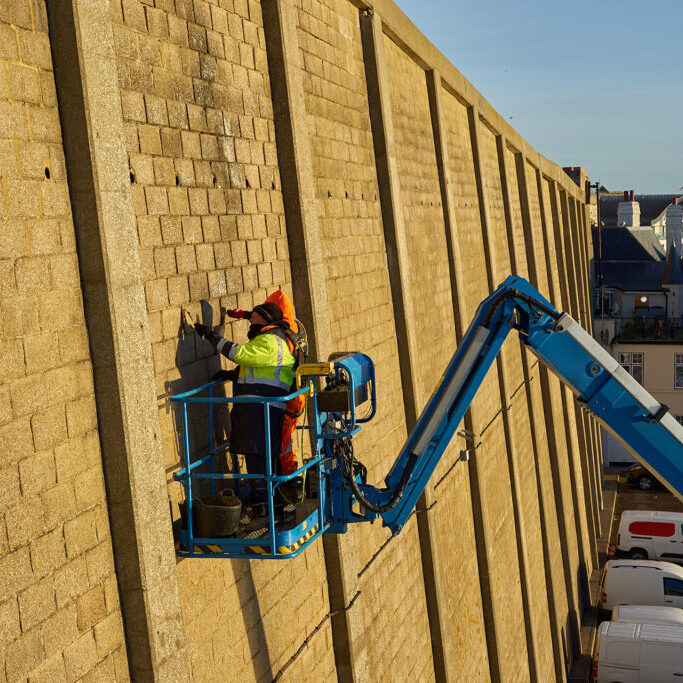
(238, 313)
(202, 330)
(225, 375)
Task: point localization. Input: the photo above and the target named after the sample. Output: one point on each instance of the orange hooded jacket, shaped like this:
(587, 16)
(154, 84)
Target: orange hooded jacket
(295, 407)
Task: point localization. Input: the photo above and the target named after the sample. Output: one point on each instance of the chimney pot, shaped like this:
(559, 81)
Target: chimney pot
(674, 201)
(625, 195)
(633, 196)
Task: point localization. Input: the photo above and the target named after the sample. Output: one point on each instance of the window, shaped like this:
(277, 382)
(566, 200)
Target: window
(673, 587)
(678, 371)
(603, 305)
(641, 301)
(633, 364)
(679, 419)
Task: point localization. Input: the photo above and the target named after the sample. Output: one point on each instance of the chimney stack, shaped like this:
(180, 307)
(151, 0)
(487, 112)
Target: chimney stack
(628, 211)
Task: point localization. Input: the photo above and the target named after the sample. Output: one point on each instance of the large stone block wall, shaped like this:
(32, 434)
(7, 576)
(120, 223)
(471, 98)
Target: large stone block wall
(60, 617)
(206, 188)
(326, 148)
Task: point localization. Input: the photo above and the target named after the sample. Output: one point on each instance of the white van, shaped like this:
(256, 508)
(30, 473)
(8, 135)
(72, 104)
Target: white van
(646, 614)
(650, 535)
(638, 653)
(641, 582)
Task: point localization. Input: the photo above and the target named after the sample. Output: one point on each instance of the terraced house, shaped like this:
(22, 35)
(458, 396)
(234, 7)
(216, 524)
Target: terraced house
(638, 303)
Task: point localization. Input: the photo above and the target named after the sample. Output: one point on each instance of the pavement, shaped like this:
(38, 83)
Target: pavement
(616, 498)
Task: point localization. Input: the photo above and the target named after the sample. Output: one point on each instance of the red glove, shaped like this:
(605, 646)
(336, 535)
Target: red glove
(238, 313)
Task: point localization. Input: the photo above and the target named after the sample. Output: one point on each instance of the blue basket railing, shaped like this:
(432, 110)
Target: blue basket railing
(189, 477)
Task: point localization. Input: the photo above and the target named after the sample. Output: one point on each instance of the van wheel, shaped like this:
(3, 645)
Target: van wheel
(638, 554)
(645, 482)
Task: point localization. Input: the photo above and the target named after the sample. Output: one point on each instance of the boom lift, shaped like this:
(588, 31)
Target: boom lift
(341, 495)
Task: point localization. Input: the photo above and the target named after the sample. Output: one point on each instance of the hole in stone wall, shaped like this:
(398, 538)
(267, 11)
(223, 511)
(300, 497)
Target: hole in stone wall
(346, 194)
(375, 197)
(247, 182)
(177, 180)
(329, 194)
(215, 181)
(362, 196)
(132, 177)
(272, 185)
(47, 173)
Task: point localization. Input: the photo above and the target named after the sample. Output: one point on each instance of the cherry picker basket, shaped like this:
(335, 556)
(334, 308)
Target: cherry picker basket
(265, 537)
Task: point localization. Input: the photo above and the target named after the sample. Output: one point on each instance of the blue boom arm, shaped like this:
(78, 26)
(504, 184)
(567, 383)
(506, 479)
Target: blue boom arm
(600, 383)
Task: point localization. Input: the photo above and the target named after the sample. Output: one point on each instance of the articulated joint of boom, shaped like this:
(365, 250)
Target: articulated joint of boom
(514, 305)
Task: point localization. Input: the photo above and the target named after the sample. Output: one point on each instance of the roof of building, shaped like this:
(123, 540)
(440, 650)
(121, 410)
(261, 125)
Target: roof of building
(651, 206)
(628, 244)
(636, 276)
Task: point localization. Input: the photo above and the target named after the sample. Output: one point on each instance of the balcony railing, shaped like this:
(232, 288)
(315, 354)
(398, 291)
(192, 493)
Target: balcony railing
(647, 327)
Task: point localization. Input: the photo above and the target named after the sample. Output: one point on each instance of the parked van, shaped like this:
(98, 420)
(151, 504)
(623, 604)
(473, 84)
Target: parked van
(641, 582)
(638, 653)
(645, 614)
(649, 535)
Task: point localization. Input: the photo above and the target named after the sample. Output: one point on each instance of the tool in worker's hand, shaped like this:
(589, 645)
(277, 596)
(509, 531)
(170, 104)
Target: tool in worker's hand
(237, 313)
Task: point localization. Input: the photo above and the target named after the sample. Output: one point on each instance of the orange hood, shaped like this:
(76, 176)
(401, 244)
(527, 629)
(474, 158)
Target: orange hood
(282, 301)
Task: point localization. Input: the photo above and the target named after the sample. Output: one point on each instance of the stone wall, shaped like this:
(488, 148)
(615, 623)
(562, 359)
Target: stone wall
(59, 604)
(222, 150)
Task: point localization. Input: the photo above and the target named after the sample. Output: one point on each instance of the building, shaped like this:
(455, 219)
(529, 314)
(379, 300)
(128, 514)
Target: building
(638, 307)
(652, 210)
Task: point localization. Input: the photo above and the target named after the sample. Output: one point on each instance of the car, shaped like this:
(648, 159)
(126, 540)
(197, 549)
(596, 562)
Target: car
(640, 476)
(640, 582)
(638, 652)
(645, 614)
(650, 535)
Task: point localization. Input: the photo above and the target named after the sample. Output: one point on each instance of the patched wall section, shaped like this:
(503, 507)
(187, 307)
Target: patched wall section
(361, 311)
(197, 107)
(550, 530)
(59, 605)
(521, 460)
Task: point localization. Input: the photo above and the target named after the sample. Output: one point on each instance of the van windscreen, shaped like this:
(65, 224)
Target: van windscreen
(663, 529)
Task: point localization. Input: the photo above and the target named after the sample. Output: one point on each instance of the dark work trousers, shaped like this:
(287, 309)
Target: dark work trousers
(256, 464)
(248, 438)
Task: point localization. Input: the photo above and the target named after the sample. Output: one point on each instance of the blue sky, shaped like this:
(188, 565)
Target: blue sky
(587, 84)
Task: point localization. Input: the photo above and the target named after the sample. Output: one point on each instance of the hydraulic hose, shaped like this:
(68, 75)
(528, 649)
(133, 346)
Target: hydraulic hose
(398, 493)
(515, 294)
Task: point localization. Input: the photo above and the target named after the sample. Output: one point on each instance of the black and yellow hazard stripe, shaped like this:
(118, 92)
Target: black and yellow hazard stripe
(285, 549)
(265, 550)
(289, 549)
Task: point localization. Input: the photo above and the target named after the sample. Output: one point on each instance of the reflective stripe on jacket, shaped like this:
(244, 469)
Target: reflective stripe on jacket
(266, 368)
(265, 360)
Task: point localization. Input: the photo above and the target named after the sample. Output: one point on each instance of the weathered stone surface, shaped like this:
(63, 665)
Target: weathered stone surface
(223, 159)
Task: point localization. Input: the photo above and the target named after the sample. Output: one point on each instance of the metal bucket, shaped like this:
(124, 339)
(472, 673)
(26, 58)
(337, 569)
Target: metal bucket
(218, 515)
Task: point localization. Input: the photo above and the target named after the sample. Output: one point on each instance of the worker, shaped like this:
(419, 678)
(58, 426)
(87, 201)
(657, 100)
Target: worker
(265, 368)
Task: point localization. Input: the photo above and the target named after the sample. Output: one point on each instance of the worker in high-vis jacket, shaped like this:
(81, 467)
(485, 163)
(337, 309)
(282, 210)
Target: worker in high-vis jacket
(265, 368)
